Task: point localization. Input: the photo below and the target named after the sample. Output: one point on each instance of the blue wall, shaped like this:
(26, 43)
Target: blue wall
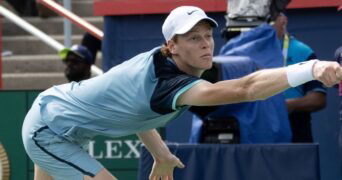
(126, 36)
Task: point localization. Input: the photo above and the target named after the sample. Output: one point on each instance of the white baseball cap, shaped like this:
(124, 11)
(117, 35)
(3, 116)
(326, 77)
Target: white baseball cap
(182, 19)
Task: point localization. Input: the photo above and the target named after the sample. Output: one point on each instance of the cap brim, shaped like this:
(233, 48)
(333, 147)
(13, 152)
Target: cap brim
(212, 22)
(189, 26)
(64, 53)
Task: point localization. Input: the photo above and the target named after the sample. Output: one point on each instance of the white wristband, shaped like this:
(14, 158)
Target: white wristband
(300, 73)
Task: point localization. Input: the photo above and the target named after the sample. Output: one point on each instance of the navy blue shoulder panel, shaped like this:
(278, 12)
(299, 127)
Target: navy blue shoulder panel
(170, 81)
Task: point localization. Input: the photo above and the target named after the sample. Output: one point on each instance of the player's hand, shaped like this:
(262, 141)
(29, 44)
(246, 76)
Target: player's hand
(163, 169)
(329, 73)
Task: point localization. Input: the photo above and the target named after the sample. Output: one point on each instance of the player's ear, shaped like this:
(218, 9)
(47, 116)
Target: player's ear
(172, 46)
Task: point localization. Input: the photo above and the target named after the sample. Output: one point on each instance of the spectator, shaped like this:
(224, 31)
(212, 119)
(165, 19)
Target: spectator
(78, 63)
(79, 58)
(304, 99)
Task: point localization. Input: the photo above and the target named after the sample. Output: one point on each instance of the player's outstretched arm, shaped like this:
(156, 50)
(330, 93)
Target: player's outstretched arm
(164, 160)
(261, 84)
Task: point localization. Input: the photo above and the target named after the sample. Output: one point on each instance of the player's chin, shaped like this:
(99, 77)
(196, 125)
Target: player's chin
(207, 59)
(207, 65)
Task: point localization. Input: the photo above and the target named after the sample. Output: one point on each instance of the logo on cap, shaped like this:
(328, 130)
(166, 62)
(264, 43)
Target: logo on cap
(189, 13)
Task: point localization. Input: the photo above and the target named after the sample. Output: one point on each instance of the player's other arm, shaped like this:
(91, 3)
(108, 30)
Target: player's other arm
(164, 160)
(154, 144)
(259, 85)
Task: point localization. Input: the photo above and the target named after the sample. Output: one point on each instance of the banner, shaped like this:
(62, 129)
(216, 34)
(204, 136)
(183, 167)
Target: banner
(240, 162)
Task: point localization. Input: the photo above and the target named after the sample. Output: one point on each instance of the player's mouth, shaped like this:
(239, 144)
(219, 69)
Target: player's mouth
(206, 56)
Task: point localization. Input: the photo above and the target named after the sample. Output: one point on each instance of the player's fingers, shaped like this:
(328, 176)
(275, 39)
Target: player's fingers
(339, 73)
(332, 78)
(328, 75)
(153, 177)
(170, 176)
(336, 75)
(180, 164)
(164, 177)
(324, 78)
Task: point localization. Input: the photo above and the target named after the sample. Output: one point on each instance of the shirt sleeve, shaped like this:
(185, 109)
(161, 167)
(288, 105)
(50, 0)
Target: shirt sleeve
(314, 86)
(168, 90)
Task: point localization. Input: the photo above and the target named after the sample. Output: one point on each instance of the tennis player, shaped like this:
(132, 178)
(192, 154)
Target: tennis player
(145, 93)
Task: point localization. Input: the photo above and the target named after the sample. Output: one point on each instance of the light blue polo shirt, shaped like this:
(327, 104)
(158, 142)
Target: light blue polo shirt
(135, 96)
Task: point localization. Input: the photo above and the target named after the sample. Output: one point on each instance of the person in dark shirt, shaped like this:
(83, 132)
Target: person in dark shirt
(304, 99)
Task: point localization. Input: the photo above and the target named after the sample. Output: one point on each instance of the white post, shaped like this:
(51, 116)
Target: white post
(67, 26)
